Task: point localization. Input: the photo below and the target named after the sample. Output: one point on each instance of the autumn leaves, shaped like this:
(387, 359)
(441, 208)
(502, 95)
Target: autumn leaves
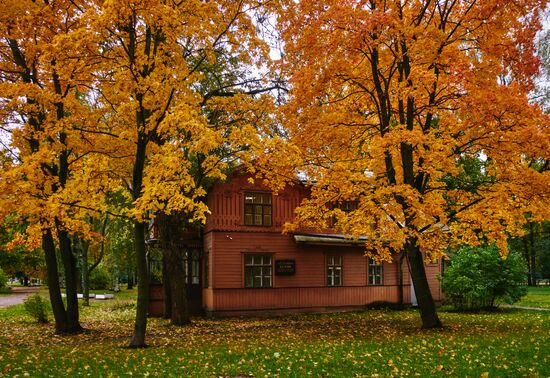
(389, 105)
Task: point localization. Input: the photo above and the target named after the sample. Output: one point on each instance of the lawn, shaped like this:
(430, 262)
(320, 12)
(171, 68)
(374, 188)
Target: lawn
(538, 296)
(370, 343)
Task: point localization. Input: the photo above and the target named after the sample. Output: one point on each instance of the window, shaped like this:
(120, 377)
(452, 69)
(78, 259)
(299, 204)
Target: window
(428, 261)
(346, 207)
(257, 271)
(376, 273)
(257, 209)
(334, 270)
(195, 267)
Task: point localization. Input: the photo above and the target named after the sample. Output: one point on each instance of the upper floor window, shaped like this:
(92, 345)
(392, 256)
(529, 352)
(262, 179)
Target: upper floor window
(334, 270)
(376, 273)
(347, 206)
(257, 209)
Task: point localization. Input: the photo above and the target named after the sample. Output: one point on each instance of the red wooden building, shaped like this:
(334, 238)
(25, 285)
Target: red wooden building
(247, 265)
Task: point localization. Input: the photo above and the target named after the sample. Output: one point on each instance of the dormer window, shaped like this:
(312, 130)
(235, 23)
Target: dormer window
(347, 206)
(257, 209)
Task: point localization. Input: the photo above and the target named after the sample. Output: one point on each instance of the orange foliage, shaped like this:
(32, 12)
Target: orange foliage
(391, 100)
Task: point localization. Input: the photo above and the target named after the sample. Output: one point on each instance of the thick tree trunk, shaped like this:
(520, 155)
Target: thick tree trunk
(174, 260)
(71, 281)
(166, 289)
(59, 313)
(178, 288)
(140, 327)
(426, 304)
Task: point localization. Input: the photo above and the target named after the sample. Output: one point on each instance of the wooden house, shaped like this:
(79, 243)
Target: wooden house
(248, 266)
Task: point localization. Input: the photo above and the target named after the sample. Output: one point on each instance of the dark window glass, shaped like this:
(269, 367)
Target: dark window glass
(376, 273)
(257, 271)
(334, 270)
(257, 209)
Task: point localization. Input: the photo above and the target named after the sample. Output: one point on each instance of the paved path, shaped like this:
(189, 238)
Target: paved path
(527, 308)
(18, 295)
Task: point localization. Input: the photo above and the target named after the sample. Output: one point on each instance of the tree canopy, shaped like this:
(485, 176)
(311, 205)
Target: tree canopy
(418, 111)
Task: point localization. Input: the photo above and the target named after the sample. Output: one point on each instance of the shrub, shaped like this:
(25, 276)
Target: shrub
(480, 278)
(3, 279)
(38, 308)
(100, 279)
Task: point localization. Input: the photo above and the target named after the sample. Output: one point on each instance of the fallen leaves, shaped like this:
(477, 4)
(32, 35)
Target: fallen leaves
(371, 343)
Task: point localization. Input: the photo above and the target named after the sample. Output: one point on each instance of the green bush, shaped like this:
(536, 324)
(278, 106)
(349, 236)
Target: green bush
(3, 279)
(100, 279)
(479, 278)
(38, 308)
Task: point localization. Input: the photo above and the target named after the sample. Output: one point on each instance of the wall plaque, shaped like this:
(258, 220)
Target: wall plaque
(285, 267)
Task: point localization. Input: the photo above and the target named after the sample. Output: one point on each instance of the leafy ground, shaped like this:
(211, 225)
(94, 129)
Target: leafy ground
(538, 296)
(372, 343)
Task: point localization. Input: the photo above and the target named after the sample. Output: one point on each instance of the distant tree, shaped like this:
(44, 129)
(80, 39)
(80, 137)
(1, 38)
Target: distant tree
(534, 246)
(84, 247)
(478, 277)
(3, 279)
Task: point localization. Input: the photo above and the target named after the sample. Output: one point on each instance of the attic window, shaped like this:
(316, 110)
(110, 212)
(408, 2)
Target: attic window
(257, 209)
(347, 206)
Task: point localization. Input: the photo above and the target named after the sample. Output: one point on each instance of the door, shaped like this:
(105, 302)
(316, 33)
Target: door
(194, 279)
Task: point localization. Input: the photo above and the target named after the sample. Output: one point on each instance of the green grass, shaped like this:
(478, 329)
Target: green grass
(506, 343)
(538, 296)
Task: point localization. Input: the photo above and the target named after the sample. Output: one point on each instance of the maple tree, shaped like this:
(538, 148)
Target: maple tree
(148, 59)
(392, 103)
(234, 99)
(43, 112)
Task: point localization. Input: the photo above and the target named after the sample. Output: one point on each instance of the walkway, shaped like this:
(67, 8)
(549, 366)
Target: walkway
(526, 308)
(17, 296)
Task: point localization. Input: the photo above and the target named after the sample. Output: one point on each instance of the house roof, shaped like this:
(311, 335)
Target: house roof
(327, 239)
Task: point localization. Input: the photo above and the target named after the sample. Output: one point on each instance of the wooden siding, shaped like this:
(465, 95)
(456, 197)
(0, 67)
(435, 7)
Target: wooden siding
(301, 298)
(307, 287)
(209, 273)
(433, 271)
(226, 260)
(226, 204)
(227, 239)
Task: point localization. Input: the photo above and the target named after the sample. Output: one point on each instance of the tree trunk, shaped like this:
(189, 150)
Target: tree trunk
(426, 304)
(85, 273)
(166, 292)
(130, 273)
(58, 309)
(140, 327)
(532, 260)
(174, 260)
(400, 279)
(178, 288)
(71, 279)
